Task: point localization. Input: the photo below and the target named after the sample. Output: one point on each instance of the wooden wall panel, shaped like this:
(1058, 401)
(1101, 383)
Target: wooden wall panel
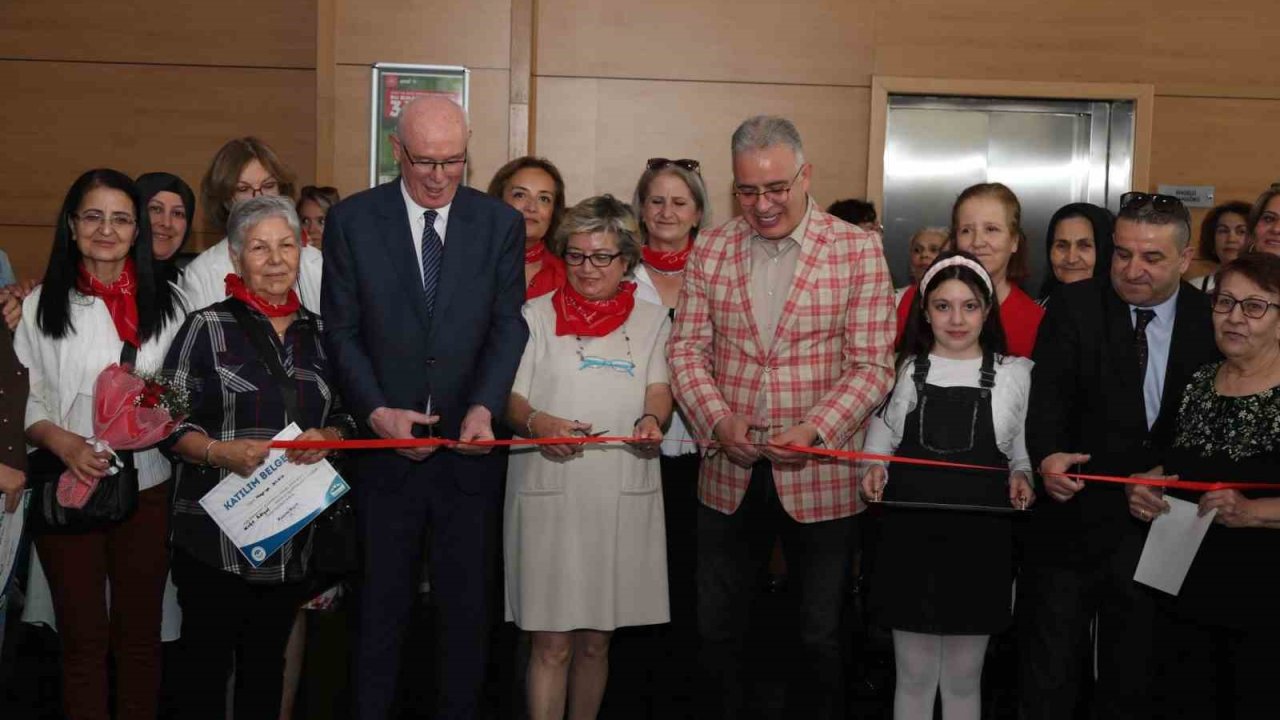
(827, 42)
(600, 132)
(1222, 142)
(245, 33)
(474, 33)
(1178, 46)
(27, 247)
(61, 119)
(489, 130)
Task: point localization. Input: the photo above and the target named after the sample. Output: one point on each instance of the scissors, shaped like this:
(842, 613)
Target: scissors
(592, 434)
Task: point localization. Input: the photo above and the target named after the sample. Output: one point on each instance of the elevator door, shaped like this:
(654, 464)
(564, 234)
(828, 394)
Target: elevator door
(1049, 152)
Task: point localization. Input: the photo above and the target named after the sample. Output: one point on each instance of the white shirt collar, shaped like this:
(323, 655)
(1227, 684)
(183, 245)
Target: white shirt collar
(1165, 310)
(415, 211)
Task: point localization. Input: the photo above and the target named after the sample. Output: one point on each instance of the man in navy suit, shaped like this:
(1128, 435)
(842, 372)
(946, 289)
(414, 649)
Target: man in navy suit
(423, 284)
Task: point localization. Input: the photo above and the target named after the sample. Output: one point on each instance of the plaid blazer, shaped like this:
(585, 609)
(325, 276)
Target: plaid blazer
(830, 364)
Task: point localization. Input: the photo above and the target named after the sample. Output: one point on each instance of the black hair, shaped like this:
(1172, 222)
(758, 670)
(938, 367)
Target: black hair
(1103, 241)
(853, 211)
(917, 338)
(1208, 249)
(156, 299)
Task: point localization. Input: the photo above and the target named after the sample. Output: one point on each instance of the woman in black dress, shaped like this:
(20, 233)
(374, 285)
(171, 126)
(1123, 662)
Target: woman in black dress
(1219, 648)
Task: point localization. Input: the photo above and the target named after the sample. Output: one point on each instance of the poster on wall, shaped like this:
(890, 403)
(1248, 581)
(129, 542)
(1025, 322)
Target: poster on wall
(394, 86)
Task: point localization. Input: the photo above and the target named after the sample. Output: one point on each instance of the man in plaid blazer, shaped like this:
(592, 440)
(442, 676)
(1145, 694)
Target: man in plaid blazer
(783, 336)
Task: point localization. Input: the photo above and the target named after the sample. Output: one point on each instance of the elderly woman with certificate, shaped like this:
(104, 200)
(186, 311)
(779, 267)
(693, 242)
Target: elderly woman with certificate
(240, 399)
(584, 534)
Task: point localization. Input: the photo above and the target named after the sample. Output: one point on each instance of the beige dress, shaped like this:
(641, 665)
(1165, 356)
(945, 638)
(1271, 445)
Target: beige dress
(584, 538)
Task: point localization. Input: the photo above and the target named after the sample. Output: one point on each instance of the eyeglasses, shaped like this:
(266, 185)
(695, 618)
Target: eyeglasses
(1160, 203)
(600, 260)
(1251, 307)
(751, 195)
(94, 220)
(658, 163)
(268, 187)
(429, 165)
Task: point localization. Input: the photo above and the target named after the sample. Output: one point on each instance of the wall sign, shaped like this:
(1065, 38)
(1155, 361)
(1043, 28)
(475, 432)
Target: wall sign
(394, 86)
(1190, 195)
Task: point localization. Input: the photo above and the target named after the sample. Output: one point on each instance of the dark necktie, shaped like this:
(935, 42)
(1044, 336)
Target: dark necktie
(432, 254)
(1144, 317)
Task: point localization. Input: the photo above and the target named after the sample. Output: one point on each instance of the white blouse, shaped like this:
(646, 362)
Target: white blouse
(62, 372)
(677, 440)
(204, 281)
(1009, 399)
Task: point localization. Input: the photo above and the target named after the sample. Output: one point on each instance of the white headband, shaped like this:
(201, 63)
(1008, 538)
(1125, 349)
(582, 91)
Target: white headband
(952, 262)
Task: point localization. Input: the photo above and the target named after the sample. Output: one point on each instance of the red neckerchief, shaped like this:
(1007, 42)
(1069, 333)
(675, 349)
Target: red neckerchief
(576, 315)
(120, 297)
(668, 262)
(548, 279)
(535, 253)
(238, 290)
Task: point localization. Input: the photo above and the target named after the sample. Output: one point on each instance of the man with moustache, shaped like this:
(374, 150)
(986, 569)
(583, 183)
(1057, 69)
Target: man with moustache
(1111, 361)
(423, 284)
(783, 336)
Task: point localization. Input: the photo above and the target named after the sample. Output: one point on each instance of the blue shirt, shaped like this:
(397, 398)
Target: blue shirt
(6, 271)
(1159, 337)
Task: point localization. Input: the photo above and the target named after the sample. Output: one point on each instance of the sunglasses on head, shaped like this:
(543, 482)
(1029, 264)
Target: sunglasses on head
(659, 163)
(1160, 203)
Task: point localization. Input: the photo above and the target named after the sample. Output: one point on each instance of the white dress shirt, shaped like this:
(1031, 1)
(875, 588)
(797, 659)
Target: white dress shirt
(417, 224)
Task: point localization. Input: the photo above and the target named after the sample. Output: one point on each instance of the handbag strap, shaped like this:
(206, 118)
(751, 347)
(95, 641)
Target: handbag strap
(128, 356)
(267, 352)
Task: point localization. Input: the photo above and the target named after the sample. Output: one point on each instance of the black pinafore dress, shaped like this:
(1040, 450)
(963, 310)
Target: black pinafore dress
(947, 572)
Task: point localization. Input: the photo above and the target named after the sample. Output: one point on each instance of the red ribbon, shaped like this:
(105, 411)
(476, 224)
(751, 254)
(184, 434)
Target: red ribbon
(397, 444)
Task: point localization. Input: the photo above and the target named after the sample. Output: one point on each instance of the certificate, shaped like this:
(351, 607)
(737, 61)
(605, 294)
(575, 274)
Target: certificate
(262, 512)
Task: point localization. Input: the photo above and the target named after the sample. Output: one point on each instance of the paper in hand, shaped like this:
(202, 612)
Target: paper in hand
(1172, 544)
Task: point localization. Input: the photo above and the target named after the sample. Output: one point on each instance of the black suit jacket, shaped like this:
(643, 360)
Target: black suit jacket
(1086, 396)
(386, 349)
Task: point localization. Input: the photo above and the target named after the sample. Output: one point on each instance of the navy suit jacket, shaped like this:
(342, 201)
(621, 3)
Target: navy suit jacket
(1086, 396)
(386, 349)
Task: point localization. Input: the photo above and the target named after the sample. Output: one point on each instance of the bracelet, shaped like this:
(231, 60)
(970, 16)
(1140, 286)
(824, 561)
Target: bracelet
(207, 448)
(642, 417)
(528, 423)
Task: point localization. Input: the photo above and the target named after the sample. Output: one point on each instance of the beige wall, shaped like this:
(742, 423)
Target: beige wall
(162, 85)
(150, 86)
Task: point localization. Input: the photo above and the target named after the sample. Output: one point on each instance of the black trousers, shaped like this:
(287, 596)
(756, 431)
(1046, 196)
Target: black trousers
(465, 539)
(1205, 669)
(229, 623)
(733, 553)
(1055, 606)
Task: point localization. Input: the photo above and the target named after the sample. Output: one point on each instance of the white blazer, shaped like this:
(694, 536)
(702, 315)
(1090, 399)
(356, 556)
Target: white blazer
(62, 372)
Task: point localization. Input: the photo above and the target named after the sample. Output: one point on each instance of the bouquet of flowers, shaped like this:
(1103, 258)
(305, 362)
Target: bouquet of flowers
(131, 411)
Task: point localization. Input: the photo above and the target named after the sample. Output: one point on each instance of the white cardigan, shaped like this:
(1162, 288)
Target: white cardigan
(204, 281)
(62, 372)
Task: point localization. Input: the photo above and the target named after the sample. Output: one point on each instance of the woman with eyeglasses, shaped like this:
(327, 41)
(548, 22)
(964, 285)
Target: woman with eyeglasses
(1264, 222)
(584, 536)
(534, 186)
(1217, 648)
(101, 292)
(1224, 233)
(671, 200)
(243, 168)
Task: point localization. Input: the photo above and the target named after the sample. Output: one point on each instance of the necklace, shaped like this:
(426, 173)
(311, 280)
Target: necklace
(659, 271)
(588, 362)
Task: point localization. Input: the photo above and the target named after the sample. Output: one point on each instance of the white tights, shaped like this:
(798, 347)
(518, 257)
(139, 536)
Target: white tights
(926, 663)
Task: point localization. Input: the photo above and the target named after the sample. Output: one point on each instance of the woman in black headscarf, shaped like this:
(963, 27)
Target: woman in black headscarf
(1078, 245)
(171, 206)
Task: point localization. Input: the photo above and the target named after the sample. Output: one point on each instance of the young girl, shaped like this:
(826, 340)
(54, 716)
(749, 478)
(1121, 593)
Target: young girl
(942, 579)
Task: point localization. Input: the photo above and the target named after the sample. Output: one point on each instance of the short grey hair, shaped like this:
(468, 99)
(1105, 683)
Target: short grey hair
(606, 214)
(246, 214)
(765, 131)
